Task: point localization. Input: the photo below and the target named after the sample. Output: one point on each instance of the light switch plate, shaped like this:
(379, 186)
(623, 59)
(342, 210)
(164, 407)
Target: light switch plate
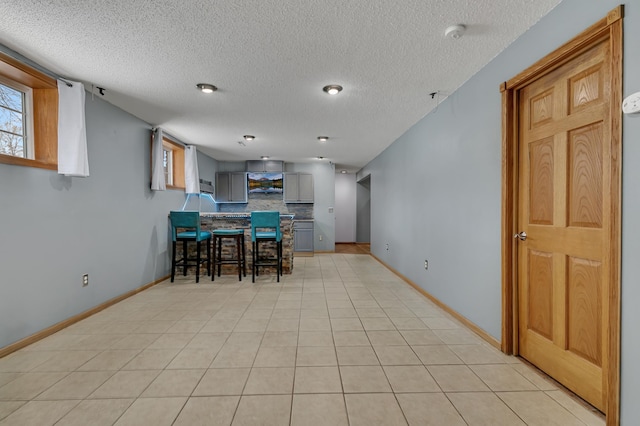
(631, 104)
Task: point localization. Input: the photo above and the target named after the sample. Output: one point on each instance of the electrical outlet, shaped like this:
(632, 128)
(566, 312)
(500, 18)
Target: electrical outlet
(386, 247)
(85, 280)
(426, 264)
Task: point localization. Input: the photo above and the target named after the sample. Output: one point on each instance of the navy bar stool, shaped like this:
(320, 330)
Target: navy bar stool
(185, 227)
(240, 259)
(265, 226)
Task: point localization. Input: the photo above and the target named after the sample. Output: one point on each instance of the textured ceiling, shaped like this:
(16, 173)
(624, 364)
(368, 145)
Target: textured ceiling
(270, 60)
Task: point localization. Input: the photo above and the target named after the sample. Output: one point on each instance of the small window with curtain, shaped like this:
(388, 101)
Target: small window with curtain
(28, 116)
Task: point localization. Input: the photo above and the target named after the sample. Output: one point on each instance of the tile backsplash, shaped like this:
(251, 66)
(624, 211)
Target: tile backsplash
(269, 202)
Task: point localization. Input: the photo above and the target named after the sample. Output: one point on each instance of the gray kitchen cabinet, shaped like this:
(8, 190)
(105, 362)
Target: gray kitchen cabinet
(271, 166)
(231, 187)
(303, 236)
(298, 188)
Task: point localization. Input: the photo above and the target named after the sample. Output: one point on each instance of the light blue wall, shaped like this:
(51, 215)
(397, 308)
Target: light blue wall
(435, 193)
(207, 168)
(232, 166)
(54, 228)
(324, 199)
(345, 208)
(630, 222)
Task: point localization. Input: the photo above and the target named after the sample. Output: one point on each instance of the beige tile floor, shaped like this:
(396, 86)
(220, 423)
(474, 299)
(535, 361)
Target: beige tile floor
(341, 341)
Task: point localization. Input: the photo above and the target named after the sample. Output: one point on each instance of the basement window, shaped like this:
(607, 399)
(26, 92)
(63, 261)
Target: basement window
(28, 116)
(167, 164)
(173, 163)
(15, 123)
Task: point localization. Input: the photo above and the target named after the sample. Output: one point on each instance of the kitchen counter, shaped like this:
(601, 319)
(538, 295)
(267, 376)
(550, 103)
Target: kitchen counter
(233, 215)
(242, 220)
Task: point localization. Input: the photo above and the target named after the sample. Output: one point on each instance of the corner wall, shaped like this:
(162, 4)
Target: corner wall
(443, 178)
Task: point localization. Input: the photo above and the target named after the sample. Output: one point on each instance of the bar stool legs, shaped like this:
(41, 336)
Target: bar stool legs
(265, 226)
(257, 261)
(239, 259)
(185, 261)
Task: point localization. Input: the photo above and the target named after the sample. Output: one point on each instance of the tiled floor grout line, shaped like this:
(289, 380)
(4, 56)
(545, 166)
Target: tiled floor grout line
(329, 281)
(344, 398)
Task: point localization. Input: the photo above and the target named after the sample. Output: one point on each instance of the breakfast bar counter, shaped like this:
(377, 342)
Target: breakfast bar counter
(242, 220)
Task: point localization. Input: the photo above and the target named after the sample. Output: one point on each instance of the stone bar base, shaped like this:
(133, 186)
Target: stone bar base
(211, 221)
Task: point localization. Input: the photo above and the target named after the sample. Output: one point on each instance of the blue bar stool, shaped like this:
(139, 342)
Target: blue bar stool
(238, 236)
(265, 226)
(189, 223)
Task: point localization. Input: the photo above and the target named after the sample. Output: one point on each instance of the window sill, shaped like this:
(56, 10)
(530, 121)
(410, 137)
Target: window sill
(175, 188)
(26, 162)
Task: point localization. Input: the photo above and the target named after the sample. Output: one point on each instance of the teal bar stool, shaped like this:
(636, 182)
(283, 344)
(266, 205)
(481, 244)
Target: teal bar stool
(265, 226)
(238, 236)
(185, 227)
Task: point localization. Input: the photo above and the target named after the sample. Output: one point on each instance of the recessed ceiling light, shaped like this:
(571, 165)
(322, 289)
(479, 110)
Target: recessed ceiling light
(344, 172)
(265, 157)
(332, 89)
(323, 138)
(206, 88)
(249, 137)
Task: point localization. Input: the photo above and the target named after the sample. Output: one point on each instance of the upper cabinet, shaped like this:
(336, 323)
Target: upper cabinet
(231, 187)
(298, 188)
(265, 166)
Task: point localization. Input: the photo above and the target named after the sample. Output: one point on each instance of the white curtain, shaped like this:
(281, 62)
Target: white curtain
(191, 175)
(73, 159)
(157, 160)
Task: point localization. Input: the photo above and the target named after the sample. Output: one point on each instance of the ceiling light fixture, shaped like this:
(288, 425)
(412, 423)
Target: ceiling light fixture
(332, 89)
(455, 31)
(344, 172)
(249, 137)
(206, 88)
(319, 158)
(265, 157)
(323, 138)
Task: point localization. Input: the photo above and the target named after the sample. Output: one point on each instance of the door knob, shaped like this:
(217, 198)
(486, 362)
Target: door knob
(522, 236)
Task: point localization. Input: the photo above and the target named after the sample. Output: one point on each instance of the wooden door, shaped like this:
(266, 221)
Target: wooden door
(564, 172)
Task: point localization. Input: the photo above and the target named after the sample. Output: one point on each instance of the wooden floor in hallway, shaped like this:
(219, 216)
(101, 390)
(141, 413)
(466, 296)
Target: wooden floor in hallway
(353, 248)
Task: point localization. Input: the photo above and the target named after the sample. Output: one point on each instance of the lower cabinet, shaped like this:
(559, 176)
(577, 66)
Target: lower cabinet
(303, 236)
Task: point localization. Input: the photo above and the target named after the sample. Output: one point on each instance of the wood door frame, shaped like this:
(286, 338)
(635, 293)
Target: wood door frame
(609, 27)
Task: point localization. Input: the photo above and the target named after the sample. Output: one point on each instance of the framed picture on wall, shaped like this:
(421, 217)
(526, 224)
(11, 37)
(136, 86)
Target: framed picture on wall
(265, 183)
